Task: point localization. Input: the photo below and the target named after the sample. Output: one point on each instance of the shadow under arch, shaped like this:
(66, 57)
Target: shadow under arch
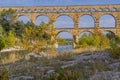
(107, 21)
(41, 18)
(86, 21)
(64, 21)
(108, 33)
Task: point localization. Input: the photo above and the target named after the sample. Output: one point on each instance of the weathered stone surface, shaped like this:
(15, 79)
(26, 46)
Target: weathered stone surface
(109, 75)
(104, 57)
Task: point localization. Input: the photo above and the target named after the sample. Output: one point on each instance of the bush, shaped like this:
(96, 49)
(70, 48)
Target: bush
(115, 49)
(115, 52)
(2, 42)
(3, 74)
(95, 40)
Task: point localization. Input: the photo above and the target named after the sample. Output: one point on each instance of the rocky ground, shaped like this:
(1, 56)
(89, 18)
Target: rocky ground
(94, 66)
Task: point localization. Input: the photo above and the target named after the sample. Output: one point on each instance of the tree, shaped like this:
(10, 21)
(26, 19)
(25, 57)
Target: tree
(9, 15)
(11, 39)
(34, 38)
(83, 41)
(3, 41)
(7, 19)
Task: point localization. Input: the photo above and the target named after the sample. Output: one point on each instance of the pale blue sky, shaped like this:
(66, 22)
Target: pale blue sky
(55, 2)
(64, 21)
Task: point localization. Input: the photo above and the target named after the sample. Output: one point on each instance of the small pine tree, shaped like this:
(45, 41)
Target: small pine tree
(11, 39)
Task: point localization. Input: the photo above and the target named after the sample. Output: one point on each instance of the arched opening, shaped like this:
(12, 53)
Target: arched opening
(42, 10)
(22, 10)
(109, 34)
(107, 21)
(35, 10)
(114, 9)
(29, 10)
(40, 19)
(65, 41)
(84, 33)
(86, 21)
(64, 21)
(100, 10)
(107, 9)
(66, 10)
(85, 39)
(54, 11)
(73, 10)
(23, 19)
(93, 10)
(86, 10)
(48, 10)
(60, 10)
(79, 10)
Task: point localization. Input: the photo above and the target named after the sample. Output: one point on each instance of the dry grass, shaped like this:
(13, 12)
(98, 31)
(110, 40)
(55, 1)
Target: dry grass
(11, 58)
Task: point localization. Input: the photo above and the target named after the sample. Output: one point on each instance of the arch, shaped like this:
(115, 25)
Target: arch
(29, 10)
(60, 10)
(107, 9)
(109, 34)
(84, 32)
(64, 41)
(64, 34)
(64, 21)
(35, 11)
(66, 10)
(54, 11)
(24, 19)
(79, 10)
(22, 10)
(86, 10)
(73, 10)
(114, 9)
(48, 10)
(100, 10)
(107, 20)
(42, 10)
(93, 10)
(86, 21)
(41, 18)
(16, 10)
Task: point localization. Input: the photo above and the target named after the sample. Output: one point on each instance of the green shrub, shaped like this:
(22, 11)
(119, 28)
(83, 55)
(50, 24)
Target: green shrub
(3, 74)
(115, 52)
(115, 49)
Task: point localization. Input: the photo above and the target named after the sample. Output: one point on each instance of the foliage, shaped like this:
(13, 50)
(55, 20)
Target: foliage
(3, 74)
(2, 42)
(61, 41)
(7, 19)
(34, 38)
(97, 39)
(115, 47)
(110, 36)
(11, 39)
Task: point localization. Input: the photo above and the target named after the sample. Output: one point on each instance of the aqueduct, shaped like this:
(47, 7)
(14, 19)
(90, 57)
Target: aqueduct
(75, 12)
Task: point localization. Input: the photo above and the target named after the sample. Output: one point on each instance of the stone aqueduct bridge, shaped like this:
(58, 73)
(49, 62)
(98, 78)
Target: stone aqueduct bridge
(75, 12)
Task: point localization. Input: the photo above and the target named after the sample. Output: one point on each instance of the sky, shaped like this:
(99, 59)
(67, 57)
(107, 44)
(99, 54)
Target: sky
(64, 21)
(55, 2)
